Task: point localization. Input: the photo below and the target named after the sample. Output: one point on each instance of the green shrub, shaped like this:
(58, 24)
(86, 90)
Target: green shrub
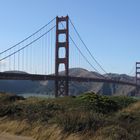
(33, 111)
(11, 110)
(9, 98)
(98, 103)
(123, 101)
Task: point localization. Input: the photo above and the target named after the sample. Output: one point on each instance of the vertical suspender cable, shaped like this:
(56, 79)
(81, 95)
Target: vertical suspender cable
(87, 48)
(14, 61)
(22, 60)
(41, 41)
(9, 64)
(45, 58)
(28, 36)
(51, 51)
(18, 60)
(48, 52)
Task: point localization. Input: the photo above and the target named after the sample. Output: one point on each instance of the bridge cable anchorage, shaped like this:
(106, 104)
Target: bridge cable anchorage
(87, 47)
(28, 44)
(27, 37)
(84, 56)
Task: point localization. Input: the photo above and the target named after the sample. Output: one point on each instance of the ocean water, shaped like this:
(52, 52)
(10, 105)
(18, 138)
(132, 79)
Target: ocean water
(26, 95)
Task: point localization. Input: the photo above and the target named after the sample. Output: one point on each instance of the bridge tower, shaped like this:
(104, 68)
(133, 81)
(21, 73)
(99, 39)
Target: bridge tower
(137, 77)
(62, 85)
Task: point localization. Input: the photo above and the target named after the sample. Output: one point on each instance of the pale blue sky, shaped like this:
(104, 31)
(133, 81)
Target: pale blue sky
(110, 28)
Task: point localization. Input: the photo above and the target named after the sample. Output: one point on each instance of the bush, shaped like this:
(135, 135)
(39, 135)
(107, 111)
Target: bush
(98, 103)
(9, 98)
(41, 111)
(31, 111)
(10, 110)
(123, 101)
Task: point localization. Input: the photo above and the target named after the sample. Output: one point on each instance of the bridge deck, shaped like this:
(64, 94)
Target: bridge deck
(35, 77)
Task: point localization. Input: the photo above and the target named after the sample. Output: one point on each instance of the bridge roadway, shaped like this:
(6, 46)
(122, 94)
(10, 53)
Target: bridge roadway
(36, 77)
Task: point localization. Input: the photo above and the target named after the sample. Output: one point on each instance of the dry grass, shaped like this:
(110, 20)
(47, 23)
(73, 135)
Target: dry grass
(133, 108)
(6, 136)
(36, 131)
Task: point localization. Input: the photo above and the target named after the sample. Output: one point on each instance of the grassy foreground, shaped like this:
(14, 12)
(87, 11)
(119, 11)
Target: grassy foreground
(88, 116)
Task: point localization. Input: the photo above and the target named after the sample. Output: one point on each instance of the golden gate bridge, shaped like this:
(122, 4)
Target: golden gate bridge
(52, 49)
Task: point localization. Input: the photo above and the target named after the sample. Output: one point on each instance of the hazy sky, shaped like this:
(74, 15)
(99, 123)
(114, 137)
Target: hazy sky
(110, 28)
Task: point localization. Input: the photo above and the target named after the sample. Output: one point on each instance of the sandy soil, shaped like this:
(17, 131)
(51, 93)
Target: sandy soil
(5, 136)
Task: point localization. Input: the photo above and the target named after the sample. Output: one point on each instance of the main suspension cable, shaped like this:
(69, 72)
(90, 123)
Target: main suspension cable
(83, 54)
(85, 57)
(27, 44)
(87, 47)
(27, 37)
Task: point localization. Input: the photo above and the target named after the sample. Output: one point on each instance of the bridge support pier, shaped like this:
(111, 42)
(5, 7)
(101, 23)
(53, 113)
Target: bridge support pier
(62, 86)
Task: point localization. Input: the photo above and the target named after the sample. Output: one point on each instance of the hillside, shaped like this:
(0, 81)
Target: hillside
(76, 88)
(88, 116)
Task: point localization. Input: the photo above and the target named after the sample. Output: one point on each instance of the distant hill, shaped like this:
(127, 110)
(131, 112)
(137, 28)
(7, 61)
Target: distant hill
(76, 88)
